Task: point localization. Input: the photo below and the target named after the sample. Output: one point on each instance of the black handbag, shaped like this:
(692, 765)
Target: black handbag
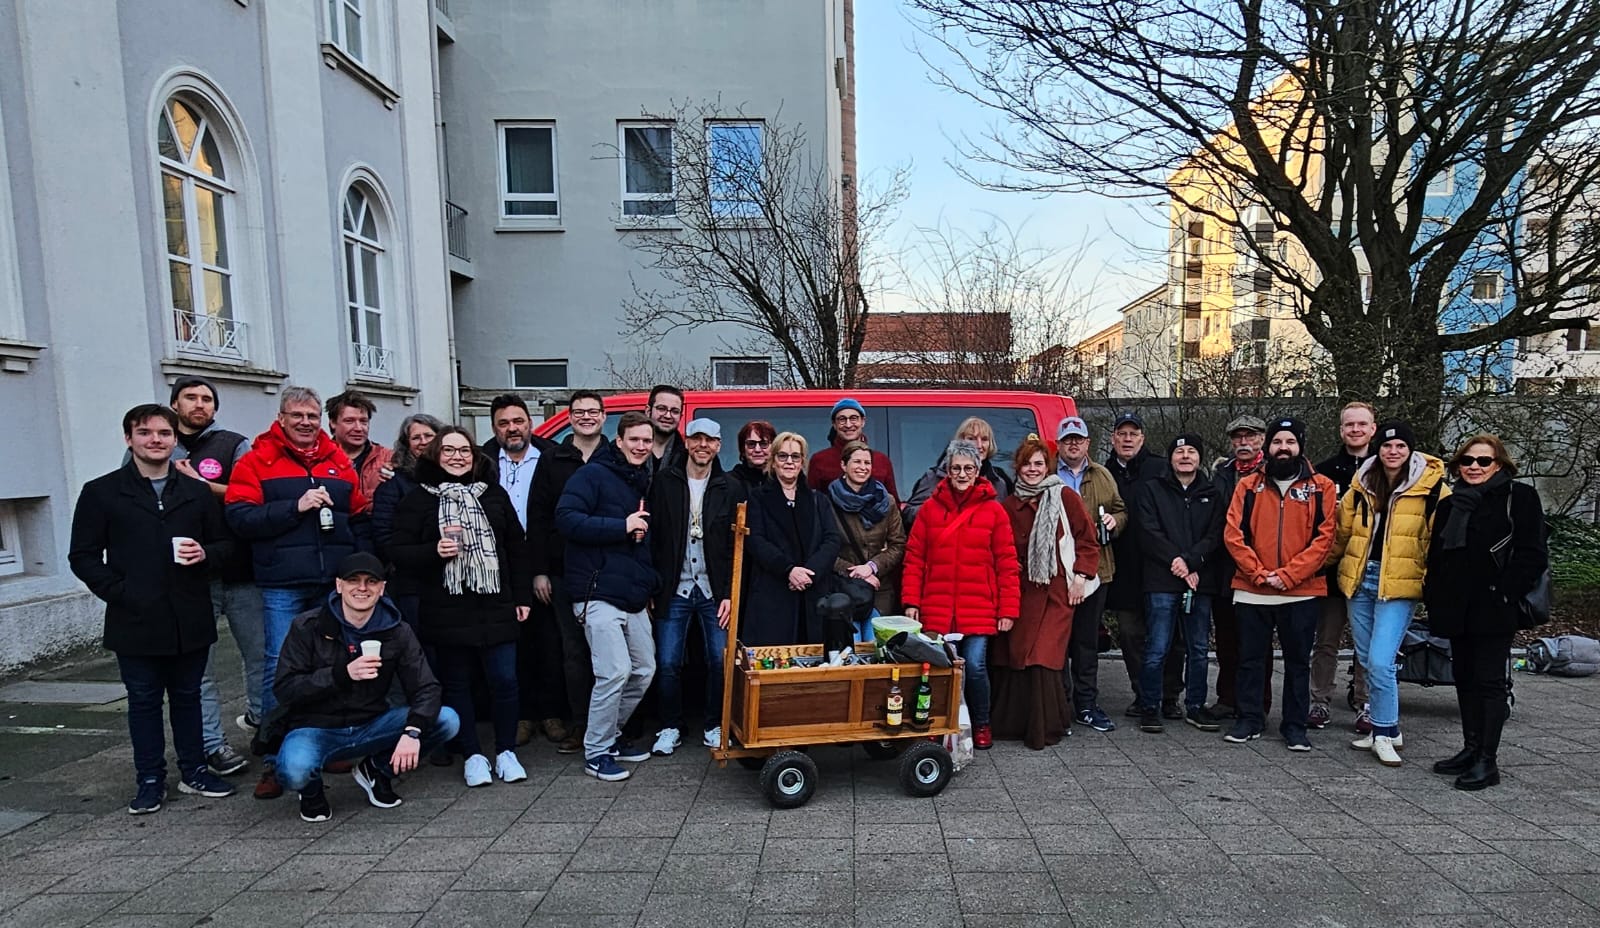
(1533, 610)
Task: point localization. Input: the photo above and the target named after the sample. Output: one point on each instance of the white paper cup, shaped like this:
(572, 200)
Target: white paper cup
(371, 647)
(176, 557)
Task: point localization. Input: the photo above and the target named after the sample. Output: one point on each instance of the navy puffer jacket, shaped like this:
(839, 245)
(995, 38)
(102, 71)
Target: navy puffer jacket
(603, 562)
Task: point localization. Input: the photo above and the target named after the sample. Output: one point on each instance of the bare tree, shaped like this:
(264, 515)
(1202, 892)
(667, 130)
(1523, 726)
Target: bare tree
(1409, 142)
(760, 232)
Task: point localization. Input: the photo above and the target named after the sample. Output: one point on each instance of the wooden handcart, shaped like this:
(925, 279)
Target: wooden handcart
(769, 714)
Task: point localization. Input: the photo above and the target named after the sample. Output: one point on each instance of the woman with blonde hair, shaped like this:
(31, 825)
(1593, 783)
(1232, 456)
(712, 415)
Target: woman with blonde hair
(791, 549)
(981, 434)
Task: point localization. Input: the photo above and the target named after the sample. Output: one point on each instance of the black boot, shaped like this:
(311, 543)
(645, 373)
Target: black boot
(1471, 732)
(1483, 773)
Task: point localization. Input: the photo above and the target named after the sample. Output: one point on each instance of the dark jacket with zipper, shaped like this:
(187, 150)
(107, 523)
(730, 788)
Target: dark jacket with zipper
(385, 500)
(1186, 522)
(121, 548)
(313, 684)
(546, 548)
(466, 619)
(669, 530)
(1127, 589)
(1475, 591)
(781, 539)
(603, 561)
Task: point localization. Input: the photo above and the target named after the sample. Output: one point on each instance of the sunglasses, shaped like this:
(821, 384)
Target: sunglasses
(756, 443)
(786, 457)
(1480, 460)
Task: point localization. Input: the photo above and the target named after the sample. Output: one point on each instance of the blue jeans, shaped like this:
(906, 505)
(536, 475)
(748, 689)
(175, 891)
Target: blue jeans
(499, 664)
(1162, 613)
(974, 649)
(672, 634)
(241, 603)
(175, 678)
(279, 606)
(1378, 626)
(305, 750)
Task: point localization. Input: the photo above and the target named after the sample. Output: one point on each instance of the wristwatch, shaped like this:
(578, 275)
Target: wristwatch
(413, 733)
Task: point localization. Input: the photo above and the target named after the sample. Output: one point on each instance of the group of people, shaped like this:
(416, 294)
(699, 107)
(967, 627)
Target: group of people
(381, 596)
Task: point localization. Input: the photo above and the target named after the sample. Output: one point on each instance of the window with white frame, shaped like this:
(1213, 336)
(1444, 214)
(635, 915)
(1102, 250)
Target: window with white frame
(364, 272)
(1443, 183)
(648, 182)
(10, 543)
(1486, 287)
(347, 26)
(528, 171)
(741, 373)
(197, 202)
(735, 169)
(540, 374)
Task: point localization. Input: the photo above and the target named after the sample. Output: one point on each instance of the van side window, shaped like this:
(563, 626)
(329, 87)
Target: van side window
(810, 421)
(919, 434)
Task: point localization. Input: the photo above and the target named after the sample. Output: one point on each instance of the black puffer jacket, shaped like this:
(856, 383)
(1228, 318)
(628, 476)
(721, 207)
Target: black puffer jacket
(1473, 591)
(1187, 523)
(465, 619)
(1127, 590)
(313, 685)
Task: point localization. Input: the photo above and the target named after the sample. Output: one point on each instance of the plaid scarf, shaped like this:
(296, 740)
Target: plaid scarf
(477, 568)
(1046, 556)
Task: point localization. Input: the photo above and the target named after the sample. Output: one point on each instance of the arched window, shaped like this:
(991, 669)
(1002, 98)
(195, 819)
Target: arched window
(364, 274)
(198, 202)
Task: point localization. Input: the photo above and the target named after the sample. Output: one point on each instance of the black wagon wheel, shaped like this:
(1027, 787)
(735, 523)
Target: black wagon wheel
(789, 779)
(925, 769)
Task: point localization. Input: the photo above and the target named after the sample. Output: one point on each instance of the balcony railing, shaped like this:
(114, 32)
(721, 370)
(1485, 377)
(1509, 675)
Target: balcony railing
(455, 228)
(442, 6)
(211, 336)
(372, 361)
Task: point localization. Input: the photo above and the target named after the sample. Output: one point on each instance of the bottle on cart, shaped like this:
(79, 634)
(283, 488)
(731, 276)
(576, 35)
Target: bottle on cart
(896, 703)
(922, 709)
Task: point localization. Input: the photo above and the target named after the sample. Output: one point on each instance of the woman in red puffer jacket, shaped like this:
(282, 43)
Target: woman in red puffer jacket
(961, 572)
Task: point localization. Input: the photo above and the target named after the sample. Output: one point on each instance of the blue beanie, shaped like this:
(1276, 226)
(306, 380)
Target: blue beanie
(847, 403)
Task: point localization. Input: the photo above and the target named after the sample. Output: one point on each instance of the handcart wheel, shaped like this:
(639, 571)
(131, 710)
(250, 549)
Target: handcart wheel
(925, 769)
(884, 750)
(789, 779)
(752, 763)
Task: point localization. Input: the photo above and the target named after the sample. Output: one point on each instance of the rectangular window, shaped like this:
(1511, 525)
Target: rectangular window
(737, 373)
(1443, 183)
(534, 375)
(10, 543)
(1486, 287)
(528, 170)
(346, 25)
(648, 184)
(736, 172)
(1578, 337)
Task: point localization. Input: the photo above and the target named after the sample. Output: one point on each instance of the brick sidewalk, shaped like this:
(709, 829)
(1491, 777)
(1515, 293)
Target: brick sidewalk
(1119, 829)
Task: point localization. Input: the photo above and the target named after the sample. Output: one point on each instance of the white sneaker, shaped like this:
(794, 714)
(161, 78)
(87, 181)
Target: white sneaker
(476, 770)
(1387, 750)
(1366, 742)
(713, 737)
(508, 769)
(666, 742)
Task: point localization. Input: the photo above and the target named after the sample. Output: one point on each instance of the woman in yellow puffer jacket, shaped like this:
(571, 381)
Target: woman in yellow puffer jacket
(1385, 524)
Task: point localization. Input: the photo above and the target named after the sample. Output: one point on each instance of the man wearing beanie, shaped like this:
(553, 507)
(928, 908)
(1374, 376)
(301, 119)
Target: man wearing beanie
(1279, 530)
(1180, 514)
(849, 424)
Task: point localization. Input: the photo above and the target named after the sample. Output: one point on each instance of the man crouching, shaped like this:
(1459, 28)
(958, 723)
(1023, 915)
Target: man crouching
(334, 675)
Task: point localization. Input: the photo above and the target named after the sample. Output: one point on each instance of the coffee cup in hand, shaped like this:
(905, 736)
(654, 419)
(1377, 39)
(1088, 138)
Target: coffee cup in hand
(179, 542)
(371, 648)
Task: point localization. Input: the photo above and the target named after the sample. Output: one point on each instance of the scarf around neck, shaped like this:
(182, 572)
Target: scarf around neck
(477, 568)
(1464, 500)
(1047, 557)
(871, 503)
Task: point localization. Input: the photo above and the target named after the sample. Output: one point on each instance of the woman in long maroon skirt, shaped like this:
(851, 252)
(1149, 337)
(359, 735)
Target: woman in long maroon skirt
(1059, 557)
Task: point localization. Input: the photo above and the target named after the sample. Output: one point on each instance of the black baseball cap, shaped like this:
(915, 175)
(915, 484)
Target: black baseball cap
(361, 563)
(1128, 418)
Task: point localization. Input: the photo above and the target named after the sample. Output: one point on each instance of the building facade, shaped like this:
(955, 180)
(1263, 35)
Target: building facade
(560, 143)
(248, 191)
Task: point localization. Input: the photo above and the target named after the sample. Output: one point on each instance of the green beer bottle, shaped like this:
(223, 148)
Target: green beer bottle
(922, 709)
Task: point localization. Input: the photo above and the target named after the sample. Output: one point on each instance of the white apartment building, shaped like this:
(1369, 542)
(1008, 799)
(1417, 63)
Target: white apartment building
(248, 190)
(556, 157)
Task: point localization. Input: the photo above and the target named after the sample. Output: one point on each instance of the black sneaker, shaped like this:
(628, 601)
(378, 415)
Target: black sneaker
(202, 782)
(152, 790)
(1241, 733)
(1296, 740)
(1220, 710)
(1133, 711)
(1202, 719)
(225, 761)
(1150, 721)
(375, 783)
(314, 806)
(1170, 710)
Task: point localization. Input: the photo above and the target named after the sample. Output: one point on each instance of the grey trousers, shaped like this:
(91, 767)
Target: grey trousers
(241, 603)
(622, 650)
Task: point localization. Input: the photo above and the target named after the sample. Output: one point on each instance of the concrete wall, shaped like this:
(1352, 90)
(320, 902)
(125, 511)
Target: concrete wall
(81, 85)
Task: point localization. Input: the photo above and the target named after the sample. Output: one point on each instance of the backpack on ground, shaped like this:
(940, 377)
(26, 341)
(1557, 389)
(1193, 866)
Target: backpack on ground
(1565, 656)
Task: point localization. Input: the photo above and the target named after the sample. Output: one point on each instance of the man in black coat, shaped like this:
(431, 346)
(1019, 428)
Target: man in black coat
(691, 519)
(1357, 426)
(143, 537)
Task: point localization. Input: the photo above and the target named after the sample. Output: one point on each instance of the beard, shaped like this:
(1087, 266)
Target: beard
(1283, 467)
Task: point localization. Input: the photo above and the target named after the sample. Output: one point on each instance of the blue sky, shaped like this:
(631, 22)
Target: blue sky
(903, 117)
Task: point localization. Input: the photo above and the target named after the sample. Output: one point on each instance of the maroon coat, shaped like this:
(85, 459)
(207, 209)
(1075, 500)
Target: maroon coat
(825, 467)
(1039, 638)
(961, 562)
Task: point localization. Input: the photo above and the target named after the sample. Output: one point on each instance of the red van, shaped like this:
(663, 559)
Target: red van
(911, 426)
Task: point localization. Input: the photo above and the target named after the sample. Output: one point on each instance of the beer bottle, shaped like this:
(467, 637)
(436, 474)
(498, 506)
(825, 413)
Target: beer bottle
(896, 702)
(922, 710)
(1101, 533)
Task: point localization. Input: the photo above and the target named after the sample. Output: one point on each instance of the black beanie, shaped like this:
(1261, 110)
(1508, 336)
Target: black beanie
(1189, 440)
(183, 383)
(1288, 424)
(1395, 429)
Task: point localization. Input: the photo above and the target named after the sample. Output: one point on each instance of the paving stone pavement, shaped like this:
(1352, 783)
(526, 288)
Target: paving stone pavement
(1116, 829)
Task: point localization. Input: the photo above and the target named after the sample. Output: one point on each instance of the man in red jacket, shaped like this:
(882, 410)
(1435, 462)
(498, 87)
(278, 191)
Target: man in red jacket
(849, 424)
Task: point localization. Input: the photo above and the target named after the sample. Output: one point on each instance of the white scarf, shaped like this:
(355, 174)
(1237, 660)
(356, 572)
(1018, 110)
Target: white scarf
(477, 567)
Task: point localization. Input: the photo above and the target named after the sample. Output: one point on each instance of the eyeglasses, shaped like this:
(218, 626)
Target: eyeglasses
(845, 418)
(451, 451)
(302, 416)
(1480, 460)
(757, 443)
(789, 457)
(963, 469)
(1074, 439)
(586, 413)
(668, 410)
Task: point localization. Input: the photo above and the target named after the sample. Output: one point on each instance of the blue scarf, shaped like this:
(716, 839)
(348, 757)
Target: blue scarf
(871, 504)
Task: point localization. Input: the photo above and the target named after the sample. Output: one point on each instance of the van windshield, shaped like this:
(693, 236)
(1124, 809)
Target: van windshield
(810, 421)
(920, 434)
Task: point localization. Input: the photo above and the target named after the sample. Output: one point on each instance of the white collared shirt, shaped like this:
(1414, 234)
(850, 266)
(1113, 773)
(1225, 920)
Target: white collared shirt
(516, 477)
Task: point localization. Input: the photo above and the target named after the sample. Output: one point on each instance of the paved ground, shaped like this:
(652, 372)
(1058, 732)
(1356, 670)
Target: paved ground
(1119, 829)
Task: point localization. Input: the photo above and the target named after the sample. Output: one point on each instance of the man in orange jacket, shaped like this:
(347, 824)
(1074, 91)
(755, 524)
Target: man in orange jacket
(1279, 529)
